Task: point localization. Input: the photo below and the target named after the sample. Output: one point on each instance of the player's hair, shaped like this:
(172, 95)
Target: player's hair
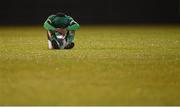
(60, 14)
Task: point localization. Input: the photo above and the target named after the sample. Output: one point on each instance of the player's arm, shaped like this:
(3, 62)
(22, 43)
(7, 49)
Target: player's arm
(48, 26)
(48, 23)
(73, 25)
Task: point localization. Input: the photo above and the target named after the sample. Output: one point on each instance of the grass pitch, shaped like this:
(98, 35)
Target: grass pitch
(110, 65)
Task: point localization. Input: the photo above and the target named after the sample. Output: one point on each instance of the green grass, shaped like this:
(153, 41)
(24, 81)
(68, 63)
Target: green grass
(110, 65)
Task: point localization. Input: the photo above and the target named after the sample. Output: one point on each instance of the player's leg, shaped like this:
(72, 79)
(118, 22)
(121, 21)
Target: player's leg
(70, 40)
(49, 36)
(60, 39)
(53, 42)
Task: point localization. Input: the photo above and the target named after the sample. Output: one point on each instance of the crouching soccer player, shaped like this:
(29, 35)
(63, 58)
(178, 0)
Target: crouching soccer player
(60, 31)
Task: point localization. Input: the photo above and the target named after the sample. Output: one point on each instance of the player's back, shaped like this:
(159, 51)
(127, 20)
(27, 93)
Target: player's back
(60, 21)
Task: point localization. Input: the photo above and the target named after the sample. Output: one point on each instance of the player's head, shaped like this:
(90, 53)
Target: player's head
(60, 14)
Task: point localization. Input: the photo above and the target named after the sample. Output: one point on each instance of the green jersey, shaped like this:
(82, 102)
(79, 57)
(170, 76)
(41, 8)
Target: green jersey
(54, 22)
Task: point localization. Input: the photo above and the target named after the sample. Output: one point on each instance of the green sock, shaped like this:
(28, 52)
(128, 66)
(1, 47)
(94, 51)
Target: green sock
(70, 38)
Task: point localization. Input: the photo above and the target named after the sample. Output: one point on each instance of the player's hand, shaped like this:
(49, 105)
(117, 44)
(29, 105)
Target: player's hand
(63, 31)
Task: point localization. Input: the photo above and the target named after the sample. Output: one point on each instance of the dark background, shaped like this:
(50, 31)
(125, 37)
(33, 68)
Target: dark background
(91, 11)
